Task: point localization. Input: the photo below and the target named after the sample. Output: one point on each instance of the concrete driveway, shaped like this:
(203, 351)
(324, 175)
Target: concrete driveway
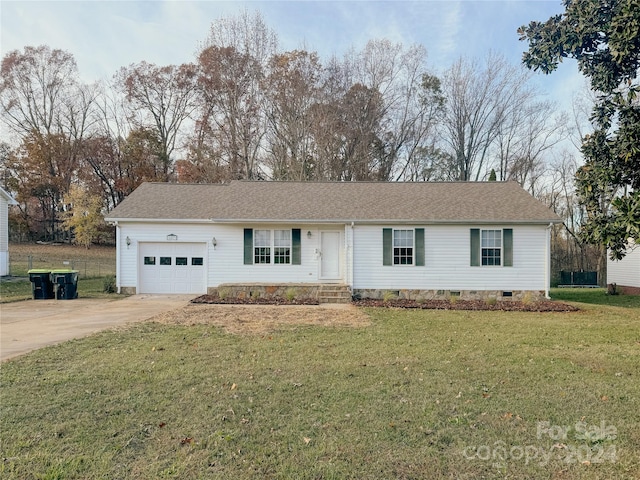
(32, 324)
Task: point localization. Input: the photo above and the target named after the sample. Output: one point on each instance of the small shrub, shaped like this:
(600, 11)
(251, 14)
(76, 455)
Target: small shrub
(612, 289)
(453, 299)
(109, 284)
(491, 300)
(290, 294)
(527, 298)
(223, 293)
(388, 295)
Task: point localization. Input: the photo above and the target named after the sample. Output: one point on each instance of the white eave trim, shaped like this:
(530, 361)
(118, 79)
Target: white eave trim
(155, 220)
(306, 221)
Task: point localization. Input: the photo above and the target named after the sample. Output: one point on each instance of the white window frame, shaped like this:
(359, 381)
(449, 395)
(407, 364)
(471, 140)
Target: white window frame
(283, 242)
(268, 254)
(262, 250)
(394, 246)
(490, 244)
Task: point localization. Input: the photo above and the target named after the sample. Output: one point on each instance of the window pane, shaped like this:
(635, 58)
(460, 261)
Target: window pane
(282, 238)
(181, 260)
(491, 238)
(282, 255)
(262, 255)
(197, 261)
(165, 260)
(490, 256)
(149, 260)
(262, 238)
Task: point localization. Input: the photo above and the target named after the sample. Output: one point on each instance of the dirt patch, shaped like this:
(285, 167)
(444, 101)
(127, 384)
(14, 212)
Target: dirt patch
(509, 306)
(244, 319)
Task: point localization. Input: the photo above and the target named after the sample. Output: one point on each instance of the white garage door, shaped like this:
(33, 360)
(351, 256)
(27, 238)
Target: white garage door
(172, 268)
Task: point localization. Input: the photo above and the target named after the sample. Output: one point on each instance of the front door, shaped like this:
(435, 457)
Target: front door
(330, 255)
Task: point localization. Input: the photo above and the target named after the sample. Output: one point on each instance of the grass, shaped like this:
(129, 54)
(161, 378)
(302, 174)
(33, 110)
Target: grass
(417, 394)
(14, 291)
(596, 296)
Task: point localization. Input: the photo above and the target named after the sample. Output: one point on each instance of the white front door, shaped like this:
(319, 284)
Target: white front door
(330, 255)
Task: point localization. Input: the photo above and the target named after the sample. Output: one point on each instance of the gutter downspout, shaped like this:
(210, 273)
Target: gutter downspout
(118, 253)
(547, 262)
(350, 261)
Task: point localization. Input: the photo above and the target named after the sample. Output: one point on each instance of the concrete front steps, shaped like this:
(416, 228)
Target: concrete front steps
(334, 293)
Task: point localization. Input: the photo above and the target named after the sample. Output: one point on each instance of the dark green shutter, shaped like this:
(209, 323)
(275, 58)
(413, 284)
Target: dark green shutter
(296, 252)
(387, 246)
(507, 241)
(475, 247)
(419, 247)
(248, 246)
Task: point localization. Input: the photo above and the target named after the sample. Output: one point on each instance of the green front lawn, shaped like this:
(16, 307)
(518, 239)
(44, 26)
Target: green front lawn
(14, 291)
(417, 394)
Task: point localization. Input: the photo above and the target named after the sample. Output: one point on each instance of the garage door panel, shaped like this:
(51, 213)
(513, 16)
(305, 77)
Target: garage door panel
(172, 268)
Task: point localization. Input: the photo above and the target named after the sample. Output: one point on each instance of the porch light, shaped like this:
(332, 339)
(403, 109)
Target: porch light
(309, 234)
(172, 237)
(128, 240)
(214, 242)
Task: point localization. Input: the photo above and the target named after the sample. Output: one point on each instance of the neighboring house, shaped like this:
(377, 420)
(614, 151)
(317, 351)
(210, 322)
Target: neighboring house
(5, 201)
(625, 273)
(417, 240)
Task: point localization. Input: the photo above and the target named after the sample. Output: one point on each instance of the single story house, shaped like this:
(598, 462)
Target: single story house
(417, 240)
(625, 273)
(5, 200)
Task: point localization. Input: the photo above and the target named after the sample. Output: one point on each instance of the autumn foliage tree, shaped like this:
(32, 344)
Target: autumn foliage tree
(83, 216)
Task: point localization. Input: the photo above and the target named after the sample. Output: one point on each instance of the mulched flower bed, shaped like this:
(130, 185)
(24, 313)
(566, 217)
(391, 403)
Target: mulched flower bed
(513, 306)
(214, 299)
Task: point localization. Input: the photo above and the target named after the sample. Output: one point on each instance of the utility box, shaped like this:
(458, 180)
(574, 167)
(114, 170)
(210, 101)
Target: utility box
(41, 286)
(64, 283)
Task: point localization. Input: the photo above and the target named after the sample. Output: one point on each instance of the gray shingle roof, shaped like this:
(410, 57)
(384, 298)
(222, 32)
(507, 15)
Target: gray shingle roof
(242, 201)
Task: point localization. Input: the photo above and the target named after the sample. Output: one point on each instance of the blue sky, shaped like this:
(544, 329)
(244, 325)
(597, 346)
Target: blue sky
(106, 35)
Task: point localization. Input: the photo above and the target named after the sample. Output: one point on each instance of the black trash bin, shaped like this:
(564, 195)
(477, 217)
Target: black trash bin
(64, 283)
(41, 286)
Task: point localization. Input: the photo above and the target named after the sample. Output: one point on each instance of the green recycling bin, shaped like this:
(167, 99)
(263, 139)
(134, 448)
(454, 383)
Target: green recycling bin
(64, 283)
(41, 286)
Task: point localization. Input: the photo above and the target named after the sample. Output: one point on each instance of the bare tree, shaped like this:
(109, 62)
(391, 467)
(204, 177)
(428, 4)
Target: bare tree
(530, 130)
(478, 101)
(161, 98)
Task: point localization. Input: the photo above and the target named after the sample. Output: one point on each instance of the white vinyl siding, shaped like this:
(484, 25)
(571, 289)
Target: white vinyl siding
(447, 261)
(625, 272)
(224, 263)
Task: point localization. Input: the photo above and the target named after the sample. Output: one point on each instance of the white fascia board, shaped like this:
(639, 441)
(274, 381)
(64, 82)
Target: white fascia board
(386, 221)
(155, 220)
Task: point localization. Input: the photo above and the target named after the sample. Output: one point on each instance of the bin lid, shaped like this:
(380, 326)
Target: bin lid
(63, 270)
(39, 270)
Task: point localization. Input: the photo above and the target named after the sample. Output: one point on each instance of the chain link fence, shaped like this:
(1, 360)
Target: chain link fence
(21, 263)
